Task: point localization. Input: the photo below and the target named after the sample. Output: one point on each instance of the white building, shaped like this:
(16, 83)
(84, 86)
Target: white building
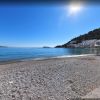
(97, 43)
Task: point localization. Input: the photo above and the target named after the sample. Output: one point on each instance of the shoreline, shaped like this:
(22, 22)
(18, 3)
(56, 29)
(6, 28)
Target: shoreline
(41, 59)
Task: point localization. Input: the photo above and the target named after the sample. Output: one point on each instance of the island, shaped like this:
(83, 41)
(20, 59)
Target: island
(46, 47)
(3, 46)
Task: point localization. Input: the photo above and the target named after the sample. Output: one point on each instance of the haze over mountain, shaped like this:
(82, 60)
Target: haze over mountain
(3, 46)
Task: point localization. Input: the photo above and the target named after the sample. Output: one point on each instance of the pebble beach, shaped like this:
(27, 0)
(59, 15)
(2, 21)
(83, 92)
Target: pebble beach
(51, 79)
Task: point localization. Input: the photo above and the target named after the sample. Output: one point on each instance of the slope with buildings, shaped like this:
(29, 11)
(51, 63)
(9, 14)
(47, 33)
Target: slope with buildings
(91, 39)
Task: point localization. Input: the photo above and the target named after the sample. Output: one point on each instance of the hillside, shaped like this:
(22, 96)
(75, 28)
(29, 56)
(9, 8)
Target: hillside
(86, 40)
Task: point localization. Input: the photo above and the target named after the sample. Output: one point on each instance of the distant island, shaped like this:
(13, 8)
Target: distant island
(3, 46)
(90, 39)
(46, 47)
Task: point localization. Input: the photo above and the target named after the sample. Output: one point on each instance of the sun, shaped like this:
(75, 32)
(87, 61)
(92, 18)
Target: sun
(74, 8)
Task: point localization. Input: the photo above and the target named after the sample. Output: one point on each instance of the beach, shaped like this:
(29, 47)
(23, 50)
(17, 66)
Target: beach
(51, 79)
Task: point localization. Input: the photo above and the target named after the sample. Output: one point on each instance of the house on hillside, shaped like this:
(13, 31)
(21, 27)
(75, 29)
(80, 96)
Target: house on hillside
(97, 43)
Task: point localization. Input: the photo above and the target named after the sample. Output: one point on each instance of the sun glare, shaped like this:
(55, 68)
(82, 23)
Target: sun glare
(74, 8)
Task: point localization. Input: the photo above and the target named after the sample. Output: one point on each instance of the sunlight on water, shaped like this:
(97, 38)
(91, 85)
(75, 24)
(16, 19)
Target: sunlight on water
(37, 53)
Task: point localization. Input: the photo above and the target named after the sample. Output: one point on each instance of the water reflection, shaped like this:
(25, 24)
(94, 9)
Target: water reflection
(78, 51)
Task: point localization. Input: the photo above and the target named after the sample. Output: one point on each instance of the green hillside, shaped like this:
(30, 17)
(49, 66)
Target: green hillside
(94, 34)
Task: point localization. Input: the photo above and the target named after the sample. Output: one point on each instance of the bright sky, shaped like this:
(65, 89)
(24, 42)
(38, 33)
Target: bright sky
(37, 26)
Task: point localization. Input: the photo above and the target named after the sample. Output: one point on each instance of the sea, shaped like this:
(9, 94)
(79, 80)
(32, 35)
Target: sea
(9, 53)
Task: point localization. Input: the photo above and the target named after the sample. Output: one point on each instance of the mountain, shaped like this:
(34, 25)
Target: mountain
(90, 39)
(3, 46)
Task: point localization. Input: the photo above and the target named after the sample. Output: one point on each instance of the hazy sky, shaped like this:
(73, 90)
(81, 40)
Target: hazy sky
(45, 25)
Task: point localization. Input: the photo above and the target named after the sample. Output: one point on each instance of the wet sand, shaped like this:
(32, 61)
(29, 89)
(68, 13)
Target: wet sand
(50, 79)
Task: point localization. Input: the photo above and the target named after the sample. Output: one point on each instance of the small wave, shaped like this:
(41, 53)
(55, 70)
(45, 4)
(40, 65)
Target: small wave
(34, 59)
(65, 56)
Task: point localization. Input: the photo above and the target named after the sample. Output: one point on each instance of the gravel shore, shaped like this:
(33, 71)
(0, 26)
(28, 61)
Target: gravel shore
(51, 79)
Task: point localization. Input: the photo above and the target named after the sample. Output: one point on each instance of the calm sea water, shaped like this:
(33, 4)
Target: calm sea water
(35, 53)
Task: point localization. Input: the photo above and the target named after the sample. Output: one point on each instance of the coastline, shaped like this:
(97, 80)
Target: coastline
(45, 58)
(55, 79)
